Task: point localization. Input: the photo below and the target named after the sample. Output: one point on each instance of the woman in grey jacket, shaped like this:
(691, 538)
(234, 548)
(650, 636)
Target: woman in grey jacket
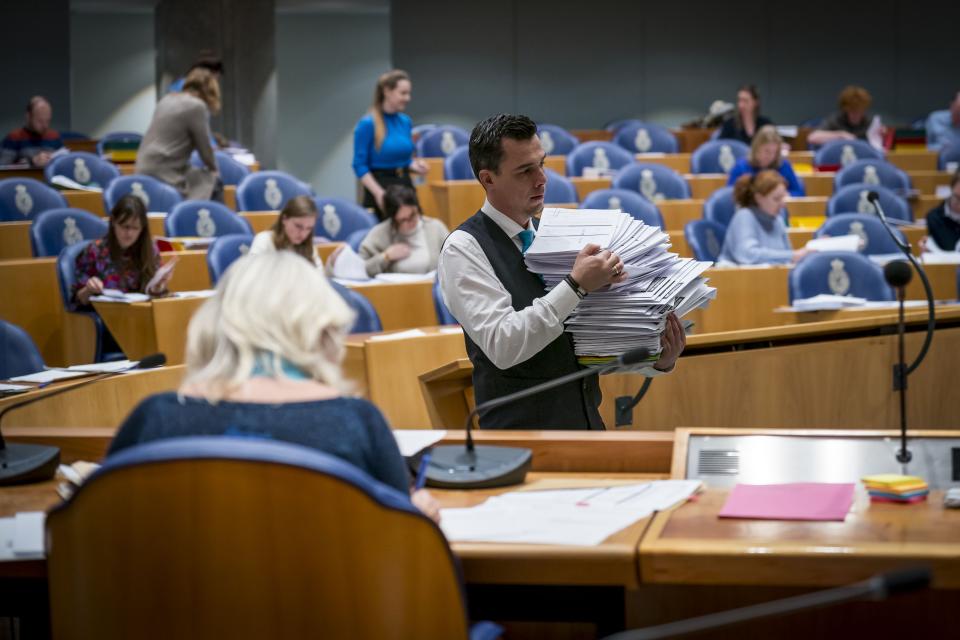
(406, 241)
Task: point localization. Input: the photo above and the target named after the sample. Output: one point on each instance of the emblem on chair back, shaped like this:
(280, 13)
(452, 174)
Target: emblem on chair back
(648, 186)
(713, 245)
(864, 205)
(22, 199)
(206, 227)
(272, 194)
(726, 159)
(838, 279)
(546, 140)
(600, 159)
(137, 189)
(71, 233)
(331, 221)
(847, 155)
(642, 142)
(614, 202)
(81, 173)
(447, 144)
(856, 228)
(870, 175)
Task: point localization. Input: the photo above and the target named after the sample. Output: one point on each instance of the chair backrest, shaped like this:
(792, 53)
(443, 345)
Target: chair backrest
(456, 166)
(443, 313)
(604, 156)
(843, 152)
(719, 207)
(556, 140)
(839, 273)
(705, 238)
(873, 172)
(55, 229)
(23, 198)
(355, 239)
(948, 155)
(246, 538)
(615, 125)
(718, 156)
(118, 140)
(205, 219)
(67, 271)
(875, 239)
(559, 189)
(268, 191)
(853, 199)
(338, 218)
(420, 129)
(82, 167)
(642, 137)
(19, 355)
(156, 195)
(368, 319)
(628, 201)
(231, 171)
(223, 251)
(654, 182)
(441, 141)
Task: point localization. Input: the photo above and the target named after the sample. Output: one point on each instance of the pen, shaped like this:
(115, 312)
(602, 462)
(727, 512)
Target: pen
(422, 472)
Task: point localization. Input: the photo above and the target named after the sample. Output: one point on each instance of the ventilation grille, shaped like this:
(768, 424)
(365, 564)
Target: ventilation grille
(719, 462)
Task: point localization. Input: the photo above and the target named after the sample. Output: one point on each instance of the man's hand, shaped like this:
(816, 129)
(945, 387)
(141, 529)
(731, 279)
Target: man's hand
(594, 269)
(672, 341)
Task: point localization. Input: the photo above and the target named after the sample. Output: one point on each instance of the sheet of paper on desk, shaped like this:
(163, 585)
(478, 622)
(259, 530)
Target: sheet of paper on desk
(413, 441)
(836, 243)
(399, 335)
(401, 278)
(201, 293)
(348, 265)
(827, 302)
(115, 295)
(22, 536)
(105, 367)
(579, 517)
(49, 375)
(14, 388)
(790, 501)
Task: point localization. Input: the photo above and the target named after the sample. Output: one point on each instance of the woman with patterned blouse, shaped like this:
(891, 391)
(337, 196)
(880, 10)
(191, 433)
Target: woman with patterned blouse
(125, 259)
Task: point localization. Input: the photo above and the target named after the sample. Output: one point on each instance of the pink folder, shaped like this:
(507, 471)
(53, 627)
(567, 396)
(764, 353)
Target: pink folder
(794, 501)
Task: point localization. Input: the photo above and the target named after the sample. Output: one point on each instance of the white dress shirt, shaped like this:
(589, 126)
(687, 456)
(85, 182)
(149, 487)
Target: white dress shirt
(263, 243)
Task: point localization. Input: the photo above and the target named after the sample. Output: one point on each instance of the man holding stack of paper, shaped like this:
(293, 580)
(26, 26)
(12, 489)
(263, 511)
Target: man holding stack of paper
(513, 326)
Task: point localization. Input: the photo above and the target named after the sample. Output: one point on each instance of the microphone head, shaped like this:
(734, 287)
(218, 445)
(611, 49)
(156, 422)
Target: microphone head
(634, 356)
(873, 196)
(152, 361)
(897, 273)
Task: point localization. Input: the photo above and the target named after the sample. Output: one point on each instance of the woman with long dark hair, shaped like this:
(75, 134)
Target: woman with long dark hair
(746, 120)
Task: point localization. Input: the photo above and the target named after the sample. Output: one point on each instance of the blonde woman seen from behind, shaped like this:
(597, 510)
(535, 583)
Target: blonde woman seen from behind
(263, 360)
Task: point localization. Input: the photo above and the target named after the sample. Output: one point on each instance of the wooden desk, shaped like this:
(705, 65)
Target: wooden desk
(157, 326)
(26, 171)
(92, 201)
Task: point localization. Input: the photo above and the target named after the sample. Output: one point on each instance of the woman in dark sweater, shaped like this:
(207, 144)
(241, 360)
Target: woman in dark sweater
(747, 120)
(263, 361)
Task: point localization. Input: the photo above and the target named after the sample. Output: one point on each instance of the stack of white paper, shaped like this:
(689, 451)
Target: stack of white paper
(849, 242)
(631, 314)
(115, 295)
(827, 302)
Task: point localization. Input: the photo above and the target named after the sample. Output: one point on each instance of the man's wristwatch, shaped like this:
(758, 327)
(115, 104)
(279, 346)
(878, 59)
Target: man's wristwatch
(580, 291)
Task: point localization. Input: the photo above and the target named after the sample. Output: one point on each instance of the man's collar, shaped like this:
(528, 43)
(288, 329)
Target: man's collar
(509, 226)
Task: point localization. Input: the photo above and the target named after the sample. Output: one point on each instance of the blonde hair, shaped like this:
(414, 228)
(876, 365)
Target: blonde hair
(389, 80)
(747, 187)
(854, 98)
(203, 83)
(296, 207)
(260, 315)
(766, 134)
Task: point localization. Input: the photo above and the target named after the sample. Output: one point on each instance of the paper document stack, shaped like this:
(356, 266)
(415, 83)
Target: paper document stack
(827, 302)
(631, 314)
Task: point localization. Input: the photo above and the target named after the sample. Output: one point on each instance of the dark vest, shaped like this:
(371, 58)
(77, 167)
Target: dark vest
(571, 406)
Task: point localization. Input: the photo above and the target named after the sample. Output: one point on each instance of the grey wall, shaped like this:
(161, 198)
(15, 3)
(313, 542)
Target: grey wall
(327, 66)
(581, 66)
(36, 54)
(112, 68)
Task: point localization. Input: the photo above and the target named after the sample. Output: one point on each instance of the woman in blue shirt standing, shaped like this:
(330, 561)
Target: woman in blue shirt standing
(382, 143)
(765, 153)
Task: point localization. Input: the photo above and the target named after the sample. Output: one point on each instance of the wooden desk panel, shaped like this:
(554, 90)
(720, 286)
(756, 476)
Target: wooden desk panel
(91, 201)
(158, 326)
(679, 162)
(30, 298)
(405, 305)
(913, 159)
(15, 241)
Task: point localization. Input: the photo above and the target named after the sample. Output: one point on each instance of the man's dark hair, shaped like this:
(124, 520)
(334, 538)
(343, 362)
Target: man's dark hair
(486, 148)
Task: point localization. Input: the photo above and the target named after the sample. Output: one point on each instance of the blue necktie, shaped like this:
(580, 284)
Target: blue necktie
(526, 239)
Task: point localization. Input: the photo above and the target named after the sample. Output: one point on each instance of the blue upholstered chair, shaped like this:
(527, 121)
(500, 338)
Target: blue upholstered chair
(318, 536)
(839, 273)
(642, 137)
(420, 129)
(654, 182)
(368, 320)
(705, 238)
(339, 218)
(19, 355)
(443, 313)
(55, 229)
(355, 239)
(23, 198)
(231, 171)
(156, 195)
(223, 251)
(118, 139)
(626, 200)
(840, 153)
(204, 219)
(947, 155)
(441, 141)
(720, 207)
(605, 156)
(559, 189)
(456, 166)
(853, 199)
(615, 125)
(556, 140)
(875, 172)
(718, 156)
(268, 191)
(876, 239)
(67, 277)
(82, 167)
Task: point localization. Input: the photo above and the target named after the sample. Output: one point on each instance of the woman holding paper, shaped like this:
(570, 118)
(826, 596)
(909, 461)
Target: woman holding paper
(765, 154)
(293, 231)
(125, 259)
(263, 361)
(756, 234)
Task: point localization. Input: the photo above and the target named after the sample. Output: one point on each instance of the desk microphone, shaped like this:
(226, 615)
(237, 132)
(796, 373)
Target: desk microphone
(26, 463)
(485, 466)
